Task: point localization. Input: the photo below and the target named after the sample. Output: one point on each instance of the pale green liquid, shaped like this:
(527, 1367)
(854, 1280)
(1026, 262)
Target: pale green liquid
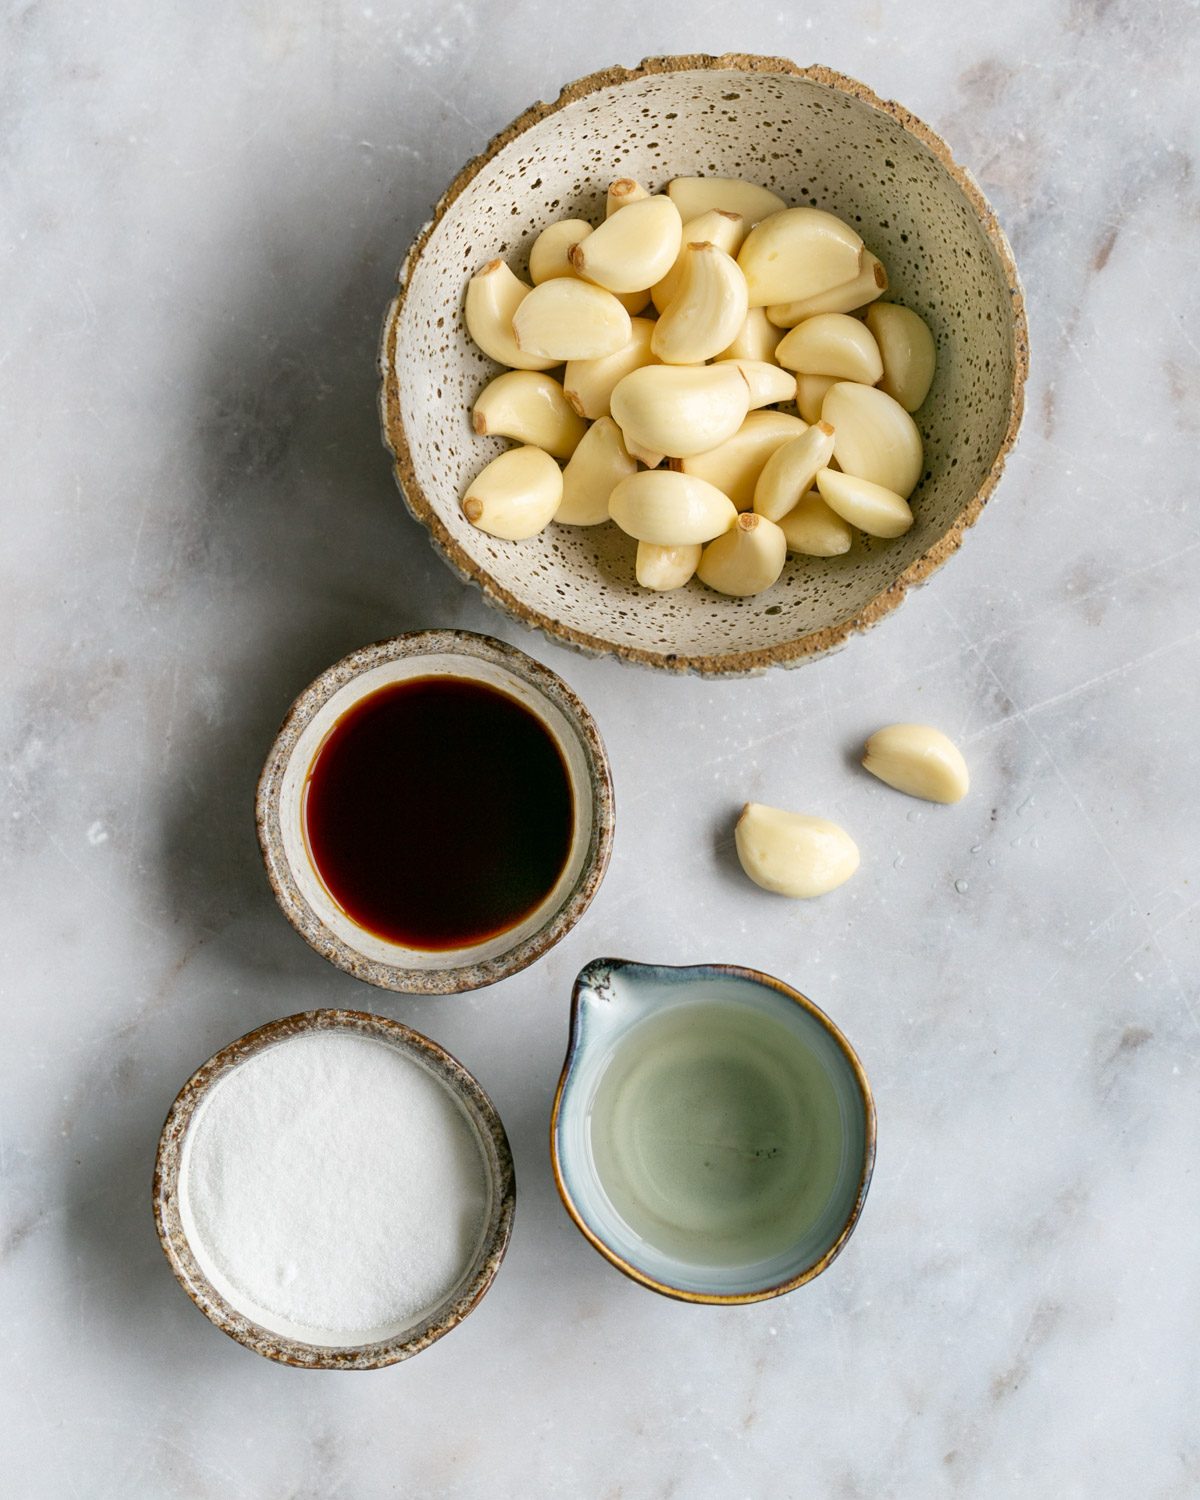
(717, 1134)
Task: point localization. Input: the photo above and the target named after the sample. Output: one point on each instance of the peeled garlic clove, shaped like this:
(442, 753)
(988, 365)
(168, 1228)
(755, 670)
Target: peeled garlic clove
(832, 344)
(669, 509)
(726, 231)
(548, 256)
(919, 760)
(746, 559)
(909, 354)
(791, 853)
(811, 391)
(768, 383)
(633, 249)
(871, 282)
(621, 193)
(568, 319)
(597, 466)
(693, 196)
(680, 409)
(589, 383)
(798, 253)
(814, 530)
(874, 437)
(493, 296)
(516, 495)
(665, 568)
(756, 339)
(645, 456)
(633, 302)
(530, 407)
(734, 465)
(790, 471)
(706, 311)
(871, 507)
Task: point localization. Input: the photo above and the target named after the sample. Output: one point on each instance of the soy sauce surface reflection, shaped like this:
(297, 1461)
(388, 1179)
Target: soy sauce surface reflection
(438, 812)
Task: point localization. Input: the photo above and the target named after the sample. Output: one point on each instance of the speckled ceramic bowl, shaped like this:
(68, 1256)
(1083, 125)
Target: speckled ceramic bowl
(616, 1001)
(171, 1211)
(280, 811)
(812, 135)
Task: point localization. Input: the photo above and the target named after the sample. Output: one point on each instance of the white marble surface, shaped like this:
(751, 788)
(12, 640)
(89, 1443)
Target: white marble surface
(202, 209)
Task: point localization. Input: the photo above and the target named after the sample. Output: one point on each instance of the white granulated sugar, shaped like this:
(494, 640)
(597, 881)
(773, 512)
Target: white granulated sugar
(332, 1184)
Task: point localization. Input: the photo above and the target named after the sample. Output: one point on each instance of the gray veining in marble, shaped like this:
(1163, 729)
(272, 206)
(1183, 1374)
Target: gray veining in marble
(202, 208)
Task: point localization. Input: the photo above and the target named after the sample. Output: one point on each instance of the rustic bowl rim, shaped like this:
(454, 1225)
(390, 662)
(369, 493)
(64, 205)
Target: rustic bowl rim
(734, 663)
(683, 973)
(281, 1348)
(470, 646)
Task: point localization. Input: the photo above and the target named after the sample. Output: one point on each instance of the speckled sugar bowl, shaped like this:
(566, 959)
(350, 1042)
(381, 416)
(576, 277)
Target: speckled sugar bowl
(280, 817)
(171, 1212)
(812, 135)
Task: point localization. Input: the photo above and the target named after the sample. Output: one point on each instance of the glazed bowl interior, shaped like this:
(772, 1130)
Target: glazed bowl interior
(619, 1005)
(300, 889)
(815, 138)
(263, 1330)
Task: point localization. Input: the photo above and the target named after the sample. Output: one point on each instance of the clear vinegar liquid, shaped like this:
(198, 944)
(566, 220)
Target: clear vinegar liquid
(717, 1134)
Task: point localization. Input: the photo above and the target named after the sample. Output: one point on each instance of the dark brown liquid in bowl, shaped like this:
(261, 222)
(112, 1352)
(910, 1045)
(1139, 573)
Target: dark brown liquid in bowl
(438, 812)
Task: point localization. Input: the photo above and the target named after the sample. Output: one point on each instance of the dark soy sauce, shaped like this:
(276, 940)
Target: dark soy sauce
(438, 812)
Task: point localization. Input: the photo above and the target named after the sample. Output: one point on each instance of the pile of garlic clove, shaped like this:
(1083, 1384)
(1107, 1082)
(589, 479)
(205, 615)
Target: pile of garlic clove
(683, 323)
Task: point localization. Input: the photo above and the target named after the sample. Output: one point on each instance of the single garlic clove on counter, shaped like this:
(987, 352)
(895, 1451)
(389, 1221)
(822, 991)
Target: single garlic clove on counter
(621, 193)
(706, 312)
(597, 466)
(548, 256)
(745, 560)
(725, 231)
(908, 350)
(798, 253)
(666, 568)
(814, 530)
(756, 339)
(493, 296)
(768, 383)
(734, 465)
(669, 509)
(832, 344)
(693, 196)
(791, 853)
(568, 319)
(589, 383)
(632, 250)
(874, 437)
(871, 507)
(919, 760)
(791, 470)
(871, 282)
(680, 409)
(811, 391)
(531, 408)
(516, 495)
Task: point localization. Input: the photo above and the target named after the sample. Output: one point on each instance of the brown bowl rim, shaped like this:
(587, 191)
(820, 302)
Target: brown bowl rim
(470, 976)
(870, 1127)
(734, 663)
(289, 1351)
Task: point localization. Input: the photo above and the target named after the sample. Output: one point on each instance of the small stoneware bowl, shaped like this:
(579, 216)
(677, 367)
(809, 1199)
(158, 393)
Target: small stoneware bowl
(280, 811)
(172, 1217)
(815, 137)
(713, 1133)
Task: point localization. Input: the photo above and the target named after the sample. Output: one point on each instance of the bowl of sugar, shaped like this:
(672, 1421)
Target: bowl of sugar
(334, 1191)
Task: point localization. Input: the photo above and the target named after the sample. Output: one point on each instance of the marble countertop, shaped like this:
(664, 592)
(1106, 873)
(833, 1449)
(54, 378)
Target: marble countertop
(202, 212)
